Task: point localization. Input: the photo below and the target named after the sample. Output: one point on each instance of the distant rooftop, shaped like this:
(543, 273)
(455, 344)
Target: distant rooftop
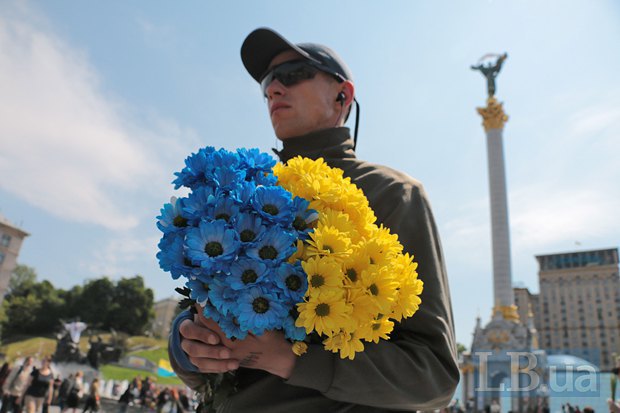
(5, 222)
(578, 259)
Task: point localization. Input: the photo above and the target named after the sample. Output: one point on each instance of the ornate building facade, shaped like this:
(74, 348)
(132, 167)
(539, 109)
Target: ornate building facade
(11, 238)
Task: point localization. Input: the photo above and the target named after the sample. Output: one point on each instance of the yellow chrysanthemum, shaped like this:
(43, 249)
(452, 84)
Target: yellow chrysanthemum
(354, 264)
(341, 221)
(323, 274)
(364, 307)
(376, 249)
(299, 348)
(408, 299)
(381, 286)
(300, 254)
(359, 279)
(347, 343)
(325, 313)
(376, 330)
(303, 166)
(329, 242)
(404, 263)
(389, 240)
(350, 195)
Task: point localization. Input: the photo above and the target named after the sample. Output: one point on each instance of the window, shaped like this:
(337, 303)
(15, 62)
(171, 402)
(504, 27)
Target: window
(5, 240)
(1, 257)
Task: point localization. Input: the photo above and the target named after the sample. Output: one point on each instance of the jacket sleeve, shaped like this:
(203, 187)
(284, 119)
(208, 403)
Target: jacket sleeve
(417, 368)
(179, 361)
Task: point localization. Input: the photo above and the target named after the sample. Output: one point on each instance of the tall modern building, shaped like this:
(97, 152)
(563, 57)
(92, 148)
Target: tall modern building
(579, 305)
(11, 238)
(527, 307)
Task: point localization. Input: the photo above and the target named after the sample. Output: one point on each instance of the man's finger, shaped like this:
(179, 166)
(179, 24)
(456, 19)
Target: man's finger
(215, 328)
(194, 331)
(214, 366)
(197, 349)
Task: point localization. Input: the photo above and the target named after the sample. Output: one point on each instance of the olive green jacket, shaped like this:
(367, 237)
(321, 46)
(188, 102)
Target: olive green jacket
(417, 368)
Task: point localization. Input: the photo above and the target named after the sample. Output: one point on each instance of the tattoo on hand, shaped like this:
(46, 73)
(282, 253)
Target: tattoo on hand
(251, 359)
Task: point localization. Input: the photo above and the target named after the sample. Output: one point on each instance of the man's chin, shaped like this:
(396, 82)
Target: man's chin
(284, 133)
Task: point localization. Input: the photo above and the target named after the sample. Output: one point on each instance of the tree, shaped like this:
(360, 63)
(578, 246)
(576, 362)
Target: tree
(132, 306)
(460, 348)
(94, 302)
(22, 275)
(36, 308)
(31, 308)
(50, 310)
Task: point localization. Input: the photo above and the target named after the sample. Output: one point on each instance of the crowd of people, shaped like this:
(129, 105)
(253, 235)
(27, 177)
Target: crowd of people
(145, 394)
(32, 387)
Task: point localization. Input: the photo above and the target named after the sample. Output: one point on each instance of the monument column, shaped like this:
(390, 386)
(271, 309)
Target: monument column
(494, 119)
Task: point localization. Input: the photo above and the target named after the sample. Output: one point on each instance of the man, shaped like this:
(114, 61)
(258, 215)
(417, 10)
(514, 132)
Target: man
(309, 91)
(15, 386)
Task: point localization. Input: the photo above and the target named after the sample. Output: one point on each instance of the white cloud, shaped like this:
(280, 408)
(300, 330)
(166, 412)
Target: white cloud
(64, 146)
(544, 217)
(592, 122)
(118, 256)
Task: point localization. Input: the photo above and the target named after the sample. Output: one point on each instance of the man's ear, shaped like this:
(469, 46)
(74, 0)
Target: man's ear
(349, 92)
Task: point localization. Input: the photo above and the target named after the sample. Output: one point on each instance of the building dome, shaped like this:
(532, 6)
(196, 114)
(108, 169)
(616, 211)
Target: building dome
(563, 362)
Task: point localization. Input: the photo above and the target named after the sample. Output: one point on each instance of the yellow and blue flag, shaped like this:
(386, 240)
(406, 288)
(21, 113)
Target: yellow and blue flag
(165, 369)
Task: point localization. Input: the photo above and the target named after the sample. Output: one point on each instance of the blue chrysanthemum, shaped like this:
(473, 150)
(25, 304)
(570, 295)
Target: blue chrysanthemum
(228, 178)
(243, 194)
(230, 237)
(200, 287)
(172, 217)
(292, 280)
(172, 257)
(225, 208)
(246, 273)
(213, 245)
(231, 327)
(170, 251)
(260, 310)
(196, 166)
(274, 204)
(275, 246)
(250, 228)
(222, 296)
(265, 179)
(199, 204)
(226, 159)
(291, 331)
(209, 311)
(303, 217)
(255, 160)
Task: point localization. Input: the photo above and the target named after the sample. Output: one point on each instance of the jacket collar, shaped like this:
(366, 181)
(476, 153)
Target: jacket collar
(327, 143)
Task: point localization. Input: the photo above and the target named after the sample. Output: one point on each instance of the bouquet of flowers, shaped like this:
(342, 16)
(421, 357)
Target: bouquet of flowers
(291, 247)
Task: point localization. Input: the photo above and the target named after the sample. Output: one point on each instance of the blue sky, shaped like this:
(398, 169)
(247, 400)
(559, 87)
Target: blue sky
(100, 103)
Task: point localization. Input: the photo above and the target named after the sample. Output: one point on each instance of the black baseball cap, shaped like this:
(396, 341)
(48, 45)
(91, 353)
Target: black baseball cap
(263, 44)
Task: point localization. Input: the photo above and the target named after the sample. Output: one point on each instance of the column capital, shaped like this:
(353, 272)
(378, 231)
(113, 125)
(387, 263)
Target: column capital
(493, 115)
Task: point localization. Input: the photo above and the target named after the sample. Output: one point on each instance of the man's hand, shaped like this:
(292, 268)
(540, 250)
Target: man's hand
(204, 348)
(270, 352)
(212, 352)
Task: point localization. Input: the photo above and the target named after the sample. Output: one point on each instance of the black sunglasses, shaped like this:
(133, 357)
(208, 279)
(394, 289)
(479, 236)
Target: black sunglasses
(292, 72)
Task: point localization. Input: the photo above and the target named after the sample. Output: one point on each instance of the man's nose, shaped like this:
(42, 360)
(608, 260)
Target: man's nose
(275, 88)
